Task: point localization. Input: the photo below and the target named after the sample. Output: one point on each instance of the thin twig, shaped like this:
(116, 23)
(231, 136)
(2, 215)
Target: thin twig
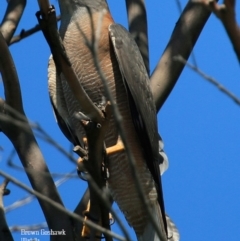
(32, 227)
(18, 120)
(26, 33)
(45, 136)
(5, 233)
(182, 41)
(210, 79)
(180, 9)
(227, 14)
(60, 207)
(25, 200)
(25, 127)
(26, 145)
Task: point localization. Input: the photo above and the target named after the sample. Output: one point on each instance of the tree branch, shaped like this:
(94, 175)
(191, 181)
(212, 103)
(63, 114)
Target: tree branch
(59, 207)
(33, 227)
(210, 79)
(44, 6)
(97, 117)
(227, 14)
(26, 33)
(183, 39)
(26, 145)
(5, 233)
(25, 200)
(179, 6)
(11, 18)
(137, 21)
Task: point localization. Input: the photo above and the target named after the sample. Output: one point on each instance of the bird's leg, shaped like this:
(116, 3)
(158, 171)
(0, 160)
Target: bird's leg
(83, 157)
(116, 148)
(86, 229)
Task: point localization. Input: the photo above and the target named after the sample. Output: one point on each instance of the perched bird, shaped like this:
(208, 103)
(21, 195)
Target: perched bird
(123, 67)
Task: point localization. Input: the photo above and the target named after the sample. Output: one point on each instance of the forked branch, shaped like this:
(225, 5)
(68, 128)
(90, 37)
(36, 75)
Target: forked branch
(25, 143)
(11, 18)
(226, 12)
(137, 21)
(182, 41)
(209, 79)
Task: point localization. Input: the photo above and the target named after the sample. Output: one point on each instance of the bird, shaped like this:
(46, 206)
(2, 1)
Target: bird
(122, 64)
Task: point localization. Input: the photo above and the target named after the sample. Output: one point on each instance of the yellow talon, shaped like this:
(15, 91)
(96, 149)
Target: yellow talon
(115, 149)
(85, 229)
(85, 140)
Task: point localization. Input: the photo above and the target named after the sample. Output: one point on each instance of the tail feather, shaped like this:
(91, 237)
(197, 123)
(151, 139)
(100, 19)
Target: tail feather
(173, 234)
(150, 233)
(163, 162)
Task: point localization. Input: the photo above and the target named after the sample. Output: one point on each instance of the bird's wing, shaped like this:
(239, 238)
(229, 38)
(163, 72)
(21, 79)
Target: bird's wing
(59, 106)
(64, 126)
(140, 100)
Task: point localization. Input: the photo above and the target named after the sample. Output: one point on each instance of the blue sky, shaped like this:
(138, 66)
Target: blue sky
(199, 126)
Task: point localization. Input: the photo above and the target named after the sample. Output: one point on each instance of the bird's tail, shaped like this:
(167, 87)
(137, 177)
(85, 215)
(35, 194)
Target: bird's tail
(173, 234)
(150, 233)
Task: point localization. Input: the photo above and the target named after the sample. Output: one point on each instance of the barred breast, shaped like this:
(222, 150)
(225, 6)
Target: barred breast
(121, 182)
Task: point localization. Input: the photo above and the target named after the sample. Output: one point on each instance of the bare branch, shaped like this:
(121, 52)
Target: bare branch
(19, 203)
(179, 6)
(10, 78)
(26, 145)
(11, 18)
(210, 79)
(5, 233)
(97, 123)
(45, 136)
(26, 33)
(18, 228)
(137, 20)
(60, 207)
(25, 200)
(227, 14)
(19, 121)
(183, 39)
(44, 6)
(104, 196)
